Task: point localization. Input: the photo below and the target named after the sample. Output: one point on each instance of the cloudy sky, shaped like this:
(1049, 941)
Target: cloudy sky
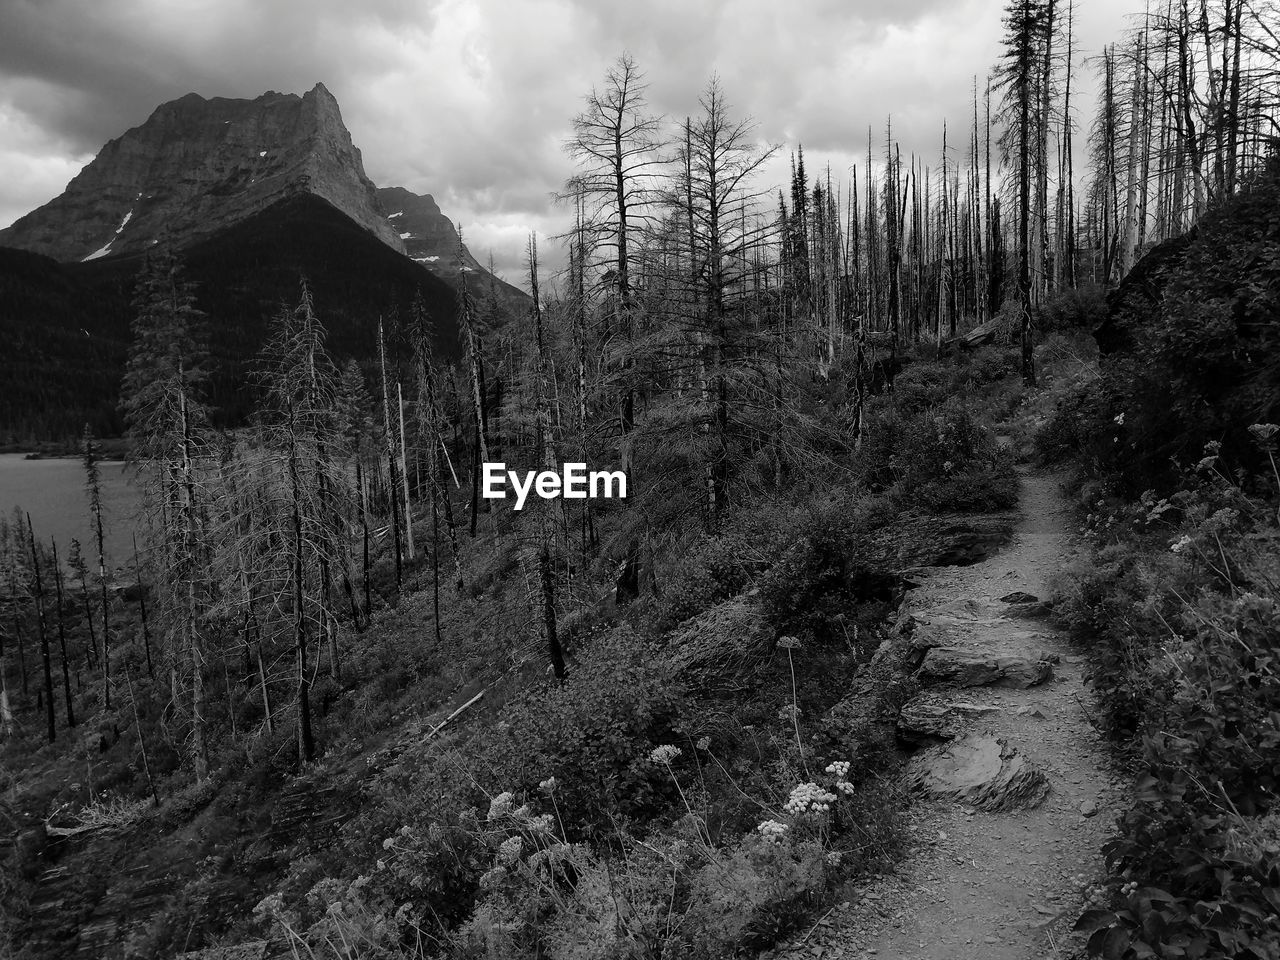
(471, 100)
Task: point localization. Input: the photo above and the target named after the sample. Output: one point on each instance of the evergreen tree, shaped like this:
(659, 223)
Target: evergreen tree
(1027, 27)
(167, 420)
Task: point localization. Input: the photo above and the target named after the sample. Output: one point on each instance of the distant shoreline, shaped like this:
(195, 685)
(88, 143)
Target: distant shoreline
(109, 448)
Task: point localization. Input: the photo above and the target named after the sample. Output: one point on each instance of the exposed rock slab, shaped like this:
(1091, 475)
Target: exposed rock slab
(1021, 604)
(980, 770)
(914, 543)
(977, 668)
(927, 719)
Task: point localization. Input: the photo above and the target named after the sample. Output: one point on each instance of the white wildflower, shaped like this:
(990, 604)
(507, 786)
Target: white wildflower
(839, 768)
(269, 906)
(509, 850)
(772, 830)
(704, 743)
(548, 785)
(542, 823)
(809, 798)
(833, 858)
(1119, 420)
(665, 753)
(1180, 544)
(1264, 434)
(500, 805)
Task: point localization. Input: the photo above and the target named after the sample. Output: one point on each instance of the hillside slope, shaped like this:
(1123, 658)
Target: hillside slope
(72, 320)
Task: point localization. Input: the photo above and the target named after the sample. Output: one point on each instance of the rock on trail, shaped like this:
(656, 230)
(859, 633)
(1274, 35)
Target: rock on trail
(980, 770)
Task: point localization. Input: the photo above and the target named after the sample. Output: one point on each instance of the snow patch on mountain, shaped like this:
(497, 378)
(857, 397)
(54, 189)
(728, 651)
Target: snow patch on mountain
(105, 249)
(100, 252)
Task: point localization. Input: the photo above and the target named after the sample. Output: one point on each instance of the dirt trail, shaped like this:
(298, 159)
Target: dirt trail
(996, 886)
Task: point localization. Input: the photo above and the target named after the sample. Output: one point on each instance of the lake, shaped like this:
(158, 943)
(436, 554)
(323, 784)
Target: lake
(53, 492)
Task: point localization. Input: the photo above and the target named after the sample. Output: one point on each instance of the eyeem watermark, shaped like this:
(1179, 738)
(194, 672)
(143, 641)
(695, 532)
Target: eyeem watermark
(574, 482)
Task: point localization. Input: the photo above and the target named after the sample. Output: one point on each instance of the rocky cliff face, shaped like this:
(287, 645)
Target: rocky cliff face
(198, 166)
(431, 239)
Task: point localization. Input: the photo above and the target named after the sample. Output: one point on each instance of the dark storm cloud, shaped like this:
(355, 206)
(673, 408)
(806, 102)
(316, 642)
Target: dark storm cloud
(471, 100)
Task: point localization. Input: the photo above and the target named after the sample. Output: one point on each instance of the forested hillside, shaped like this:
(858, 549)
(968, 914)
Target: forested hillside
(338, 704)
(69, 323)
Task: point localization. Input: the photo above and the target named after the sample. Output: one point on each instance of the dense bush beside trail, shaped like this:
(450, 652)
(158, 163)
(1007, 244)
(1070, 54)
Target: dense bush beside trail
(1194, 362)
(1178, 606)
(1176, 443)
(717, 567)
(937, 459)
(1177, 602)
(1077, 308)
(595, 734)
(820, 586)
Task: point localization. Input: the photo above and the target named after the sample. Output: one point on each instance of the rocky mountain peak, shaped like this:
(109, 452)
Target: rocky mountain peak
(197, 166)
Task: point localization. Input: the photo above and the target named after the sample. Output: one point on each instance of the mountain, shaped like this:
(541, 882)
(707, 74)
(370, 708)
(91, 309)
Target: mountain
(254, 195)
(197, 166)
(430, 238)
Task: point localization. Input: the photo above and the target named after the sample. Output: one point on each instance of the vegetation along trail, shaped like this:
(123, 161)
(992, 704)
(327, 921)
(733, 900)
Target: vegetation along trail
(1019, 797)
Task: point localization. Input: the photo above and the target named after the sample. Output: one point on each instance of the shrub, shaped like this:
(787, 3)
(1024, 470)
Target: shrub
(594, 734)
(820, 582)
(718, 567)
(1178, 603)
(1195, 341)
(984, 488)
(753, 894)
(1075, 429)
(1073, 309)
(941, 458)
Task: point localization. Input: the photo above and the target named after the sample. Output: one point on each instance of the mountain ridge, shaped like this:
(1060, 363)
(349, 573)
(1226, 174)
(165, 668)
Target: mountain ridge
(197, 166)
(431, 239)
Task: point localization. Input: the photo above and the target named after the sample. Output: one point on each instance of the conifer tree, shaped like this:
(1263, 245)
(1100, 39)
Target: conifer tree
(1026, 35)
(616, 146)
(37, 599)
(304, 493)
(93, 486)
(167, 420)
(62, 636)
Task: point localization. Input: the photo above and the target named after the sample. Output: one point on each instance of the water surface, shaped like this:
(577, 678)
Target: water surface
(53, 492)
